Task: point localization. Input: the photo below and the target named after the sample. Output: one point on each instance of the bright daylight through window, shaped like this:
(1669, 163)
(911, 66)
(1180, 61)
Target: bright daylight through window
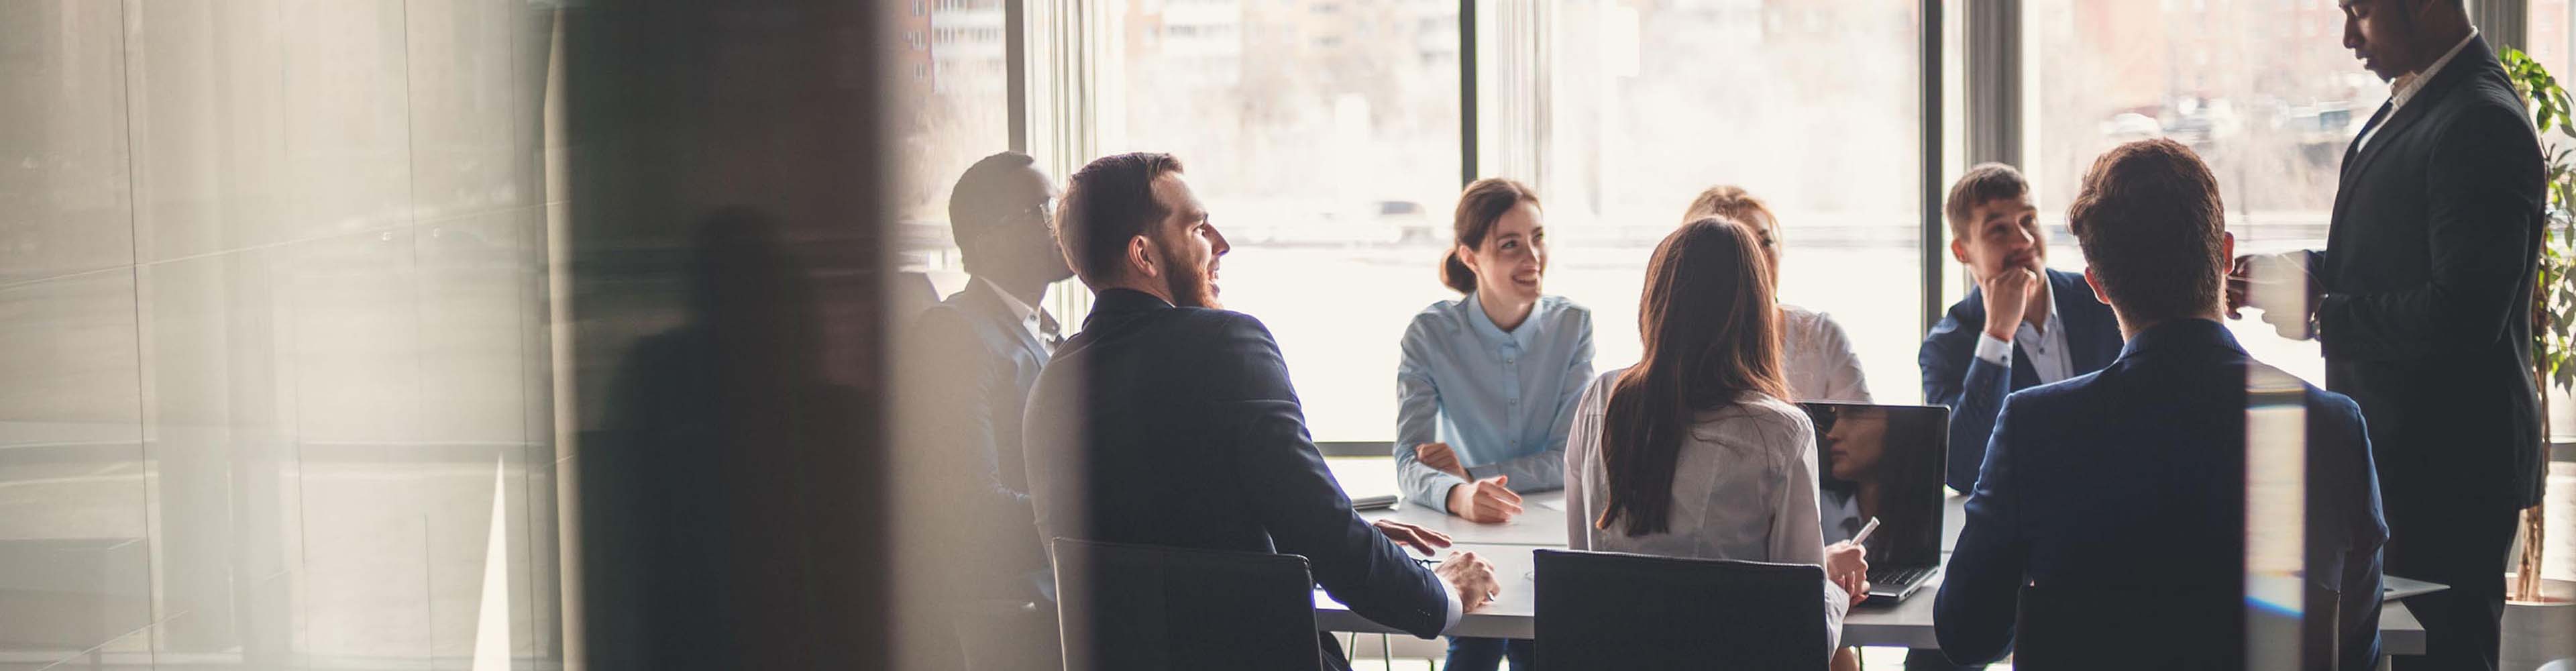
(1325, 138)
(2263, 91)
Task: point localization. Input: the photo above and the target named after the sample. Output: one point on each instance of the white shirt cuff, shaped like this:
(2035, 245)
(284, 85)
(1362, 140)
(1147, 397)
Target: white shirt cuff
(1837, 609)
(1994, 351)
(1449, 626)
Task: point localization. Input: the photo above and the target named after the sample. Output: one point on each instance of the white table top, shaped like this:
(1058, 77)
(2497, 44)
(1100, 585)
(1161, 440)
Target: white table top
(1542, 524)
(1906, 624)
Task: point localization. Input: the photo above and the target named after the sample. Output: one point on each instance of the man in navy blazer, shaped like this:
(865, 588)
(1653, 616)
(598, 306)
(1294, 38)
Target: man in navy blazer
(2133, 480)
(2024, 325)
(975, 356)
(1171, 421)
(969, 365)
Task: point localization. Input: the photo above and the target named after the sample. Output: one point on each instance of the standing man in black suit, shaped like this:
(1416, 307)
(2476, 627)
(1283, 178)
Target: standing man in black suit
(1171, 421)
(2422, 299)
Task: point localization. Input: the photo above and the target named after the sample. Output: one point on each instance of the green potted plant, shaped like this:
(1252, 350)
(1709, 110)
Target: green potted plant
(2540, 614)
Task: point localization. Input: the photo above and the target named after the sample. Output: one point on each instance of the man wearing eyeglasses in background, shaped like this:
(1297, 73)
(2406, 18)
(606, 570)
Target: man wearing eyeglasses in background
(968, 368)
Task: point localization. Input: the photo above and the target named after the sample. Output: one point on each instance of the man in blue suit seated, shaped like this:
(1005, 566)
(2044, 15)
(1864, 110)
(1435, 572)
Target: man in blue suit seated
(1171, 421)
(973, 359)
(2024, 325)
(2133, 480)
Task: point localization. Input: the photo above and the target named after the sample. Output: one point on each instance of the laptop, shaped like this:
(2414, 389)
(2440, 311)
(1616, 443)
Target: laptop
(1895, 453)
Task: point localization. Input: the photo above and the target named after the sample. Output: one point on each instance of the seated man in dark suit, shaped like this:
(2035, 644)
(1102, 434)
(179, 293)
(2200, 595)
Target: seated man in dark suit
(2133, 480)
(2022, 326)
(974, 358)
(967, 369)
(1170, 421)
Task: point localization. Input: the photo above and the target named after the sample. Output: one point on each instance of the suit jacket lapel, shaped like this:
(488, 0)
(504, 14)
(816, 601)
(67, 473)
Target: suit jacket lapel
(987, 301)
(2344, 178)
(2353, 149)
(2076, 311)
(2473, 59)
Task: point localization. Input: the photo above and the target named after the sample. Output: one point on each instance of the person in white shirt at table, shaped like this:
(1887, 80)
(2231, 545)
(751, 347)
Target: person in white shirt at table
(1816, 356)
(1692, 452)
(1486, 383)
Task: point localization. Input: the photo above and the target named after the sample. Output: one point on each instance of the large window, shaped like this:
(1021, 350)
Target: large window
(1814, 107)
(946, 81)
(2552, 35)
(2263, 91)
(1324, 138)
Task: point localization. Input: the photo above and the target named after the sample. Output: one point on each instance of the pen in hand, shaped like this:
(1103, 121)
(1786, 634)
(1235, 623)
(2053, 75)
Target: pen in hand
(1865, 530)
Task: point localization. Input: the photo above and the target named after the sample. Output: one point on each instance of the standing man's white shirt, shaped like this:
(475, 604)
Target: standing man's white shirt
(2047, 345)
(2406, 86)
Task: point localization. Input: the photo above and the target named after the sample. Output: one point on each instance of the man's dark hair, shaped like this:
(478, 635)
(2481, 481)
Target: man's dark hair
(973, 204)
(1984, 182)
(1106, 204)
(2151, 225)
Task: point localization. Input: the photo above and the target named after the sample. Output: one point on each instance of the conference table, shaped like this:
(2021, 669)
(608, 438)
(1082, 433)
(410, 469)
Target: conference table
(1509, 545)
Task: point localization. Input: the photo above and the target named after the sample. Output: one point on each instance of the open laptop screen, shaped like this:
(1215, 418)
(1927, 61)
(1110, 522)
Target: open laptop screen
(1882, 461)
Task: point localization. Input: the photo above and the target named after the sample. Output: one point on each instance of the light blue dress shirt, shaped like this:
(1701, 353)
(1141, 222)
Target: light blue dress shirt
(1501, 400)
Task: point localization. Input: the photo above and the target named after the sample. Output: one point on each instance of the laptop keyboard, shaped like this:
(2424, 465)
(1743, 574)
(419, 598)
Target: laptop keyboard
(1898, 577)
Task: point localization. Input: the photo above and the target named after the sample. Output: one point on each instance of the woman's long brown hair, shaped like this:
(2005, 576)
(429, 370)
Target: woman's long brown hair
(1711, 333)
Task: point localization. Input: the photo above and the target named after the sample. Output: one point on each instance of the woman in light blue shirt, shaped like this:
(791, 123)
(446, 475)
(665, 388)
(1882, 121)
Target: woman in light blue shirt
(1487, 383)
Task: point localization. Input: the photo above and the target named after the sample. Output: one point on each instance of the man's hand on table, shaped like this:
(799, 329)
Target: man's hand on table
(1418, 538)
(1472, 576)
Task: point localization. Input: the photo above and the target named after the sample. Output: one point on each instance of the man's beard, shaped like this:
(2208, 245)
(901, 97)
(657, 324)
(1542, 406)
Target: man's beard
(1188, 284)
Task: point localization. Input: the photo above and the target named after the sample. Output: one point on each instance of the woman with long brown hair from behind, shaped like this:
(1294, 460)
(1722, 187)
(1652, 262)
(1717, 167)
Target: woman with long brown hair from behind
(1693, 452)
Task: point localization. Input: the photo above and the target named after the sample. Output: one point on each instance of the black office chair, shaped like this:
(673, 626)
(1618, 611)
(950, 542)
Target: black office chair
(907, 295)
(1146, 608)
(2164, 627)
(1601, 610)
(1008, 635)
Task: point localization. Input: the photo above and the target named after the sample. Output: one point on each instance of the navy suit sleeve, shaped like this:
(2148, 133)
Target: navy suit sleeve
(1973, 617)
(2355, 483)
(956, 399)
(1294, 496)
(1973, 388)
(2485, 195)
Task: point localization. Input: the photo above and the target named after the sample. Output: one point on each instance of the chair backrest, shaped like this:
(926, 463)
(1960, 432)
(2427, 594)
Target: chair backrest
(1008, 635)
(1142, 607)
(2166, 627)
(1599, 610)
(908, 295)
